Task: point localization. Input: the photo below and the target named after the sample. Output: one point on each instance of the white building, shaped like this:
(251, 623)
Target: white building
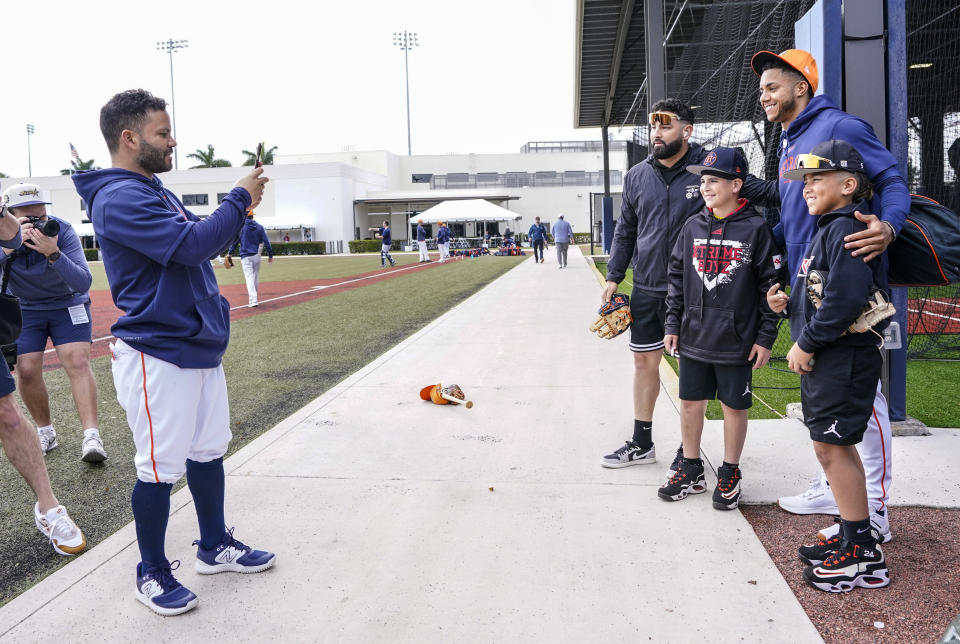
(336, 197)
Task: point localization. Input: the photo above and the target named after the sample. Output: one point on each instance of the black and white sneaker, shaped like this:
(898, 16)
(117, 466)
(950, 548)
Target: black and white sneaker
(851, 566)
(817, 553)
(726, 496)
(630, 454)
(676, 462)
(687, 480)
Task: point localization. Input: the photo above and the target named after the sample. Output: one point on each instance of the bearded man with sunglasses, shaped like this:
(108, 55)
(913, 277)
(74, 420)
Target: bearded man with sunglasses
(788, 82)
(658, 196)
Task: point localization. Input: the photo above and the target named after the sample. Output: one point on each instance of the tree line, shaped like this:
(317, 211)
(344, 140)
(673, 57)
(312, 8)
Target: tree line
(207, 159)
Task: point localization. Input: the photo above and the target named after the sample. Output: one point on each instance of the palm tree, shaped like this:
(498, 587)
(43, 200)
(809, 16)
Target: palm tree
(208, 159)
(266, 159)
(77, 166)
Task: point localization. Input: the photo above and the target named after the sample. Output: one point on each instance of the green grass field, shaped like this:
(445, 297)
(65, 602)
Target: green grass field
(277, 362)
(932, 395)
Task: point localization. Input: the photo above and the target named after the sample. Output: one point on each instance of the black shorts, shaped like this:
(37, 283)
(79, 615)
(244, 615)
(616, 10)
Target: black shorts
(731, 384)
(838, 394)
(649, 312)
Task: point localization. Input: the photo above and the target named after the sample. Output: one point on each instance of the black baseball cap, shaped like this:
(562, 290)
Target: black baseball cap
(727, 163)
(828, 156)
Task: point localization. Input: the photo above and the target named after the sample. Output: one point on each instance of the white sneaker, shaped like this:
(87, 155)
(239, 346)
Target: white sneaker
(818, 499)
(879, 521)
(48, 439)
(64, 535)
(93, 451)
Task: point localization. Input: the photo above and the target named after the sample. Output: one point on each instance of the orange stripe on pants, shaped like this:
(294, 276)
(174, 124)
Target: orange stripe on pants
(146, 406)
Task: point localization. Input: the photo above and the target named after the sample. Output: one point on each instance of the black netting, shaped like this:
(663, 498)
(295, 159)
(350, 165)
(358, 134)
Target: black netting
(708, 49)
(933, 100)
(708, 52)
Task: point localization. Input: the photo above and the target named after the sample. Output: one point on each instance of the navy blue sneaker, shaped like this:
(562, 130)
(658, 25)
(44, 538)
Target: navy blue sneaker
(232, 556)
(158, 590)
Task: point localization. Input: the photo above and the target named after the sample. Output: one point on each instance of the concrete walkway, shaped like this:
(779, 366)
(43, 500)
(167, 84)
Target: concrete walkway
(396, 520)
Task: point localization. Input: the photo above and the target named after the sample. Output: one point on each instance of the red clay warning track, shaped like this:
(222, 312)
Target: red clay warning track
(273, 296)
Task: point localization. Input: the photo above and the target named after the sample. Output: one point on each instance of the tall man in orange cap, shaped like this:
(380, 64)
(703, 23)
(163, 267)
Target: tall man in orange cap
(788, 82)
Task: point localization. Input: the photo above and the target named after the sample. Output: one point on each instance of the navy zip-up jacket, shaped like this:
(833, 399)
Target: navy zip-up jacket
(157, 258)
(848, 283)
(651, 216)
(42, 286)
(720, 270)
(421, 234)
(251, 236)
(537, 232)
(443, 235)
(821, 120)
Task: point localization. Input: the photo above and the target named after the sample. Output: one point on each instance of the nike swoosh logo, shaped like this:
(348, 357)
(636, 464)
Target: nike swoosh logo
(861, 531)
(827, 573)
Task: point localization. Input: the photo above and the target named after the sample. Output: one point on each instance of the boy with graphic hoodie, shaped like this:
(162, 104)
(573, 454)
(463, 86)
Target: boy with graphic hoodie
(722, 266)
(839, 368)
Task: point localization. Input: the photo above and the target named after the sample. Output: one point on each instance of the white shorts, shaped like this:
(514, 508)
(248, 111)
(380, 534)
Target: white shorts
(175, 414)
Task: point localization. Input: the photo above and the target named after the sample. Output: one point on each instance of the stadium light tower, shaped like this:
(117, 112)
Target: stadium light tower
(406, 40)
(30, 131)
(170, 45)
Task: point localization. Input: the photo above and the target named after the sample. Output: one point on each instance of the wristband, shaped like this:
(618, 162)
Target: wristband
(892, 231)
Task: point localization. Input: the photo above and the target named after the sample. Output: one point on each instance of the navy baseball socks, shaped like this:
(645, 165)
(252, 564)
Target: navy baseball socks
(156, 587)
(217, 550)
(637, 451)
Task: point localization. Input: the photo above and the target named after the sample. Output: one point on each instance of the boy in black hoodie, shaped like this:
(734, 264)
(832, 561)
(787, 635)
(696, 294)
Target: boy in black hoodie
(839, 369)
(721, 268)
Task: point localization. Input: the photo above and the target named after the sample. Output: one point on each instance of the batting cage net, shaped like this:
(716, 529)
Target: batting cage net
(723, 90)
(933, 167)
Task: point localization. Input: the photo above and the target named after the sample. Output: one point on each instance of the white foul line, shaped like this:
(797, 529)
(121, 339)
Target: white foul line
(312, 289)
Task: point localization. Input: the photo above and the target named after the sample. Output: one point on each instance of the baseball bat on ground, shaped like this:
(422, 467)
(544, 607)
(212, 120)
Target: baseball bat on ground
(454, 399)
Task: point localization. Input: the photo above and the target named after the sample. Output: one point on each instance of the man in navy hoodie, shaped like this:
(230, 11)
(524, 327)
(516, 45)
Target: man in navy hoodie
(170, 341)
(788, 82)
(252, 235)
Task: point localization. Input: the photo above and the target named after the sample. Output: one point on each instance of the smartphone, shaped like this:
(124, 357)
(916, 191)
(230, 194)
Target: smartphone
(259, 162)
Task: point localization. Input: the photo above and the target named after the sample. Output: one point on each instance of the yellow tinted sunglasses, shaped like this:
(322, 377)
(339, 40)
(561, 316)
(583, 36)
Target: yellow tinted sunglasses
(813, 162)
(663, 118)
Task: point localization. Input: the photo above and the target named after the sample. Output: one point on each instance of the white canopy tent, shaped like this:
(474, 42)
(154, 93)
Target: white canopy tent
(463, 210)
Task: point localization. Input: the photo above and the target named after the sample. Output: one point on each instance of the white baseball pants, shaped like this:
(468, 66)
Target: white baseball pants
(251, 272)
(175, 414)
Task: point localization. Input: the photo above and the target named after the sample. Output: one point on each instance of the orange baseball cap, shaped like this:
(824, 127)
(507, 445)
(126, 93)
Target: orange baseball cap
(797, 59)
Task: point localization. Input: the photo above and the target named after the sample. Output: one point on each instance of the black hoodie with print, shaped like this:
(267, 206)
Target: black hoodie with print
(848, 283)
(719, 274)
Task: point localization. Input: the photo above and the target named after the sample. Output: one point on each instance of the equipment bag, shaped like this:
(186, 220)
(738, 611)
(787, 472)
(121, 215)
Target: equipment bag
(927, 250)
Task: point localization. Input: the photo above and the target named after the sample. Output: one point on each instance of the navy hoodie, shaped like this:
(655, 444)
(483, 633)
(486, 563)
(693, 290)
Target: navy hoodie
(821, 120)
(720, 270)
(156, 255)
(251, 236)
(848, 282)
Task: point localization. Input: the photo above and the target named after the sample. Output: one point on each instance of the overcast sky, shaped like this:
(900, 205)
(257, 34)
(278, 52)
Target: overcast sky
(487, 76)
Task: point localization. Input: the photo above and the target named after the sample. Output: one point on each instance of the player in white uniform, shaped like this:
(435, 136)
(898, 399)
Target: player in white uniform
(170, 341)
